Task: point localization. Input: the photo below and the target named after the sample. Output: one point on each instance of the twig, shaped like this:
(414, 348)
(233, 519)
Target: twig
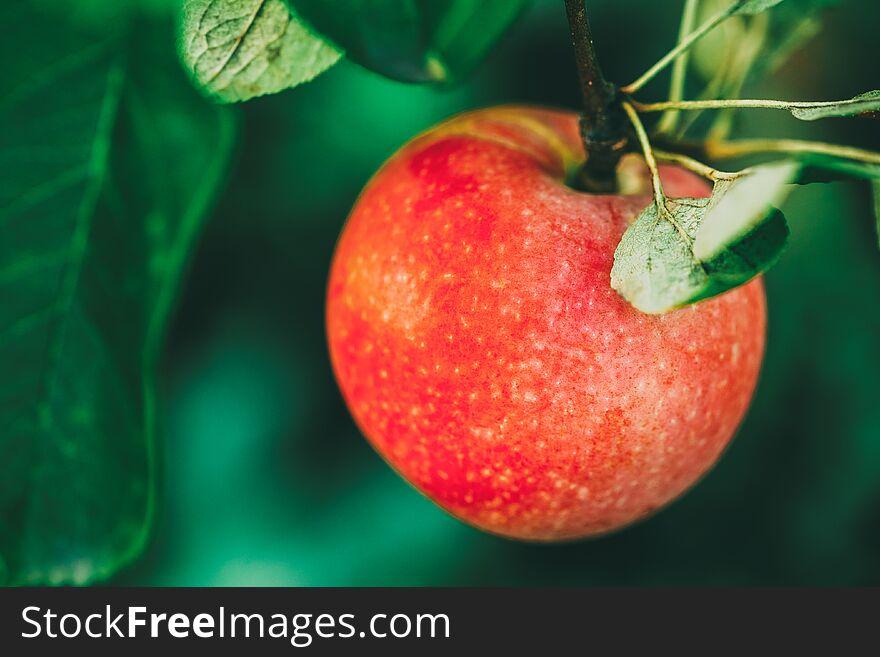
(601, 123)
(692, 38)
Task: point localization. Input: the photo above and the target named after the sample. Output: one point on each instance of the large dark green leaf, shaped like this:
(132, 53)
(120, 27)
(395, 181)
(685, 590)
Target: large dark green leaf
(106, 176)
(413, 40)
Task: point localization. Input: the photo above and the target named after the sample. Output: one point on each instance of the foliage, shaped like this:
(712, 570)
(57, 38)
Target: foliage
(659, 268)
(238, 49)
(414, 40)
(102, 198)
(705, 246)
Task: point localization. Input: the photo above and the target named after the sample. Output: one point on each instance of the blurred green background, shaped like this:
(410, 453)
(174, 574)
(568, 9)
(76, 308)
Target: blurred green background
(266, 480)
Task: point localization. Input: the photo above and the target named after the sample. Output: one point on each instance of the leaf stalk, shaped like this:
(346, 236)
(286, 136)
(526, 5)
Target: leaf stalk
(681, 47)
(651, 161)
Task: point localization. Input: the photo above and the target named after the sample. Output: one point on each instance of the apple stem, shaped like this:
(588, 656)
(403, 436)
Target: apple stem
(603, 124)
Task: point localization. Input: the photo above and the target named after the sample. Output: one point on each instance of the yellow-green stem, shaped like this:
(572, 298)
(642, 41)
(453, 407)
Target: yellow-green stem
(691, 38)
(698, 167)
(648, 152)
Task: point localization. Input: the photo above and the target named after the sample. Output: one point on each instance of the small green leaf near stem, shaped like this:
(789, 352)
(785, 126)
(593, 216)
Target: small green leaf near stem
(805, 110)
(656, 271)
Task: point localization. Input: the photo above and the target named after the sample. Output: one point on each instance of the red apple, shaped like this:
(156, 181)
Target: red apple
(481, 349)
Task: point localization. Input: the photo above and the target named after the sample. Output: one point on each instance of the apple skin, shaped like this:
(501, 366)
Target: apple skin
(478, 343)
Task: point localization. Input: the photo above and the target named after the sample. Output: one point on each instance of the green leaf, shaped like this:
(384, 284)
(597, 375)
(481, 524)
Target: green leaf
(655, 268)
(47, 202)
(413, 40)
(738, 207)
(861, 104)
(100, 200)
(751, 7)
(239, 49)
